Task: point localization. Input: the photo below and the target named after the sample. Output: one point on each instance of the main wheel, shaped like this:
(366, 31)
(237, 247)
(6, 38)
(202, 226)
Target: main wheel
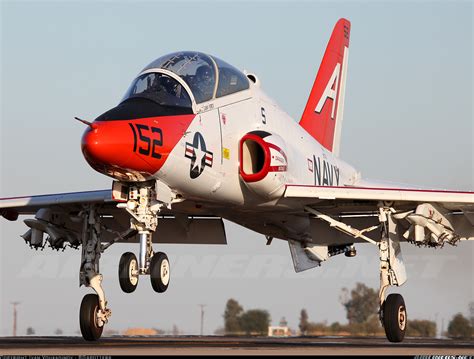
(394, 318)
(88, 321)
(128, 269)
(160, 272)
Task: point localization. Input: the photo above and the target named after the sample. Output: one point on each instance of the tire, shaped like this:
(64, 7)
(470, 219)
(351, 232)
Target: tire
(128, 263)
(88, 319)
(160, 272)
(394, 318)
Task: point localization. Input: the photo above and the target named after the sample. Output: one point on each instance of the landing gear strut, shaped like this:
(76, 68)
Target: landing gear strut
(393, 313)
(94, 313)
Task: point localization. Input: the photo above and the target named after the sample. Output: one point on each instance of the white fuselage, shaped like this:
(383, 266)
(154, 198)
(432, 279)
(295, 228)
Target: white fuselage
(222, 123)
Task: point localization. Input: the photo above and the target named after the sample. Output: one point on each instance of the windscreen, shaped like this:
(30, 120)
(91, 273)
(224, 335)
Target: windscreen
(160, 88)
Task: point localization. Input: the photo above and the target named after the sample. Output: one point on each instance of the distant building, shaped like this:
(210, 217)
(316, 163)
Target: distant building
(141, 331)
(280, 331)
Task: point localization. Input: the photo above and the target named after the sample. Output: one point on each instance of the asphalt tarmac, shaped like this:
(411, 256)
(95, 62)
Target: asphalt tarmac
(219, 345)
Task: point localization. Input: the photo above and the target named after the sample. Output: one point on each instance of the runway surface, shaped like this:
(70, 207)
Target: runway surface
(218, 345)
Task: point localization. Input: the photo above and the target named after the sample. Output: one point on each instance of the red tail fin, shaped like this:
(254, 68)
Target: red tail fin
(322, 116)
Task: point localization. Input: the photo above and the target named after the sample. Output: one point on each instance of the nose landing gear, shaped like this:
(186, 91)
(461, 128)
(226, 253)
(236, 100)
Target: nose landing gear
(158, 269)
(144, 210)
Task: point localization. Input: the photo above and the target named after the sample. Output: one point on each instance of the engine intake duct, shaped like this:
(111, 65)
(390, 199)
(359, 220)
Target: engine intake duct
(263, 163)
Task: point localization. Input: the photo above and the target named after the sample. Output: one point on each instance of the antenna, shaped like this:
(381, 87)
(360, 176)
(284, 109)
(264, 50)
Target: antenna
(90, 124)
(15, 314)
(202, 317)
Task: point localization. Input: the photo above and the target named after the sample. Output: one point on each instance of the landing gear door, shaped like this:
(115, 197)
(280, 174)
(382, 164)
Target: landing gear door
(396, 260)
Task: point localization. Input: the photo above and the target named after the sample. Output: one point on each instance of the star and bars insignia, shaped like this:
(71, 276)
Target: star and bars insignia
(198, 154)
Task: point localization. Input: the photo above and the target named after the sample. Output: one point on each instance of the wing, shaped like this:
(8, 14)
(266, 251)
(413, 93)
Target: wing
(429, 217)
(59, 216)
(11, 207)
(402, 196)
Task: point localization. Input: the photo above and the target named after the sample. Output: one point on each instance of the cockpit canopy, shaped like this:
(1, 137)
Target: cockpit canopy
(207, 77)
(160, 88)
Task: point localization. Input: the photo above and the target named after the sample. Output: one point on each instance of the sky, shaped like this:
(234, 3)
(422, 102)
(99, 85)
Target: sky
(408, 118)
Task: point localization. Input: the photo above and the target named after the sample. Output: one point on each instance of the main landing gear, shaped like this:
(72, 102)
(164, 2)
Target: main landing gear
(94, 313)
(392, 312)
(142, 207)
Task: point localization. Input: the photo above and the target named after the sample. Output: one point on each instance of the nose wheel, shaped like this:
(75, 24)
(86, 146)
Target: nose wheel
(160, 272)
(128, 272)
(158, 268)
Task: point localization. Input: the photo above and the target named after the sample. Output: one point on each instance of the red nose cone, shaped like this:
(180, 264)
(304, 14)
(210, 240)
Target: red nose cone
(92, 145)
(131, 150)
(107, 149)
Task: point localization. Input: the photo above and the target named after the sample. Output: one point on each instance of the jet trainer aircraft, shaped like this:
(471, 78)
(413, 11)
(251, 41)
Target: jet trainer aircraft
(194, 141)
